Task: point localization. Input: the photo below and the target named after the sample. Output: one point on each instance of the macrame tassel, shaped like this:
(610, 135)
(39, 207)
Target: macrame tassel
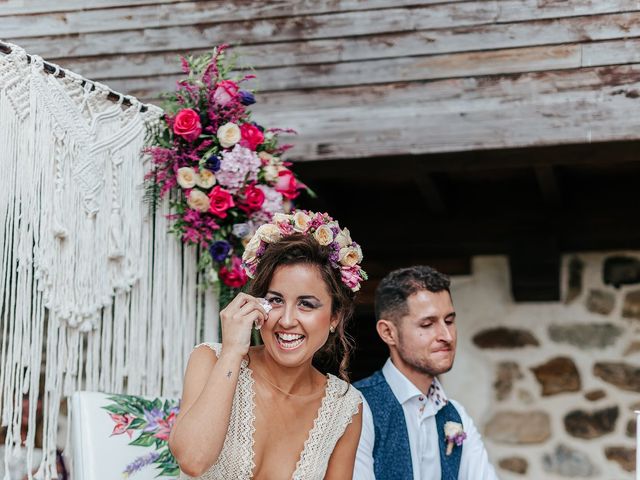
(82, 256)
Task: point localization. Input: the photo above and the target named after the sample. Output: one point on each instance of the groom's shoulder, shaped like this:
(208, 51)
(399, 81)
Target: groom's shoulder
(376, 379)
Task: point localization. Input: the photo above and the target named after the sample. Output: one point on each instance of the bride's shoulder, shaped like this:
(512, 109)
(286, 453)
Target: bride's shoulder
(343, 389)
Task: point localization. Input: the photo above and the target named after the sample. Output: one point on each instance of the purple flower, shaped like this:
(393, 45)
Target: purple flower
(153, 417)
(141, 462)
(246, 98)
(220, 250)
(213, 163)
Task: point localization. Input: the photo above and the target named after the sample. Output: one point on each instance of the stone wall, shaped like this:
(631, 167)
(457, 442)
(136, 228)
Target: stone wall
(552, 386)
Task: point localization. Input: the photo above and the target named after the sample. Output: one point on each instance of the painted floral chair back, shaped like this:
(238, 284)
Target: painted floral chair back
(116, 436)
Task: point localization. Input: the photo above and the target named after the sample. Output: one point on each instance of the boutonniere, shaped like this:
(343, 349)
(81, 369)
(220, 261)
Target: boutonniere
(454, 434)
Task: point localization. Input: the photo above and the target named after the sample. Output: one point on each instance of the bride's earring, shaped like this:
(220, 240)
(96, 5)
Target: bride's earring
(332, 329)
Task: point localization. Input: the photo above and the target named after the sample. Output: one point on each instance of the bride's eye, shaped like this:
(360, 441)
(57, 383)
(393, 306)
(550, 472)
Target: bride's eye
(307, 304)
(274, 300)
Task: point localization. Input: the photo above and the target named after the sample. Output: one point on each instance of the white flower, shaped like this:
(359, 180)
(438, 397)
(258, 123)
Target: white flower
(344, 238)
(229, 134)
(269, 233)
(323, 235)
(186, 177)
(350, 256)
(300, 221)
(241, 230)
(271, 173)
(251, 249)
(198, 200)
(205, 178)
(452, 429)
(281, 217)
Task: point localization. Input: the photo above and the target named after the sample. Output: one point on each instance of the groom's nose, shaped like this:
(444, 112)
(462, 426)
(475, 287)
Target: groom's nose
(444, 334)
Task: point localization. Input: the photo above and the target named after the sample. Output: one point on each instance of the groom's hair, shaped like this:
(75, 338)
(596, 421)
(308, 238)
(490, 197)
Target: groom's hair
(397, 286)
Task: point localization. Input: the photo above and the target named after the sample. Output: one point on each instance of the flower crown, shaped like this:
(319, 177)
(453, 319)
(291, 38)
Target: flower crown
(345, 256)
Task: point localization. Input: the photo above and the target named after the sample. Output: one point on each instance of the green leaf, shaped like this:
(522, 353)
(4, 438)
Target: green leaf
(144, 440)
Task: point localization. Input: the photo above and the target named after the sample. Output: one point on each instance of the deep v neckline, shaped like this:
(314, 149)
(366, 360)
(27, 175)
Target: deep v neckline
(313, 432)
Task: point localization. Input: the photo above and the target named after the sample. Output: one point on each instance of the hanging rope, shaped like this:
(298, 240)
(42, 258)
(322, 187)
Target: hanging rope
(88, 275)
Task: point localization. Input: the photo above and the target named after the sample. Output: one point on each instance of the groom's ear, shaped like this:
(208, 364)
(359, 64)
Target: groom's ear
(387, 331)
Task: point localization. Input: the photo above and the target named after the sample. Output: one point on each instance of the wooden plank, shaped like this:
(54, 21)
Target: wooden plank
(259, 17)
(345, 14)
(102, 68)
(243, 8)
(428, 32)
(381, 71)
(344, 73)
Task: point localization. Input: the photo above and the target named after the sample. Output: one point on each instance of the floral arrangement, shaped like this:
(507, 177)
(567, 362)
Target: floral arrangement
(455, 435)
(223, 172)
(346, 254)
(151, 422)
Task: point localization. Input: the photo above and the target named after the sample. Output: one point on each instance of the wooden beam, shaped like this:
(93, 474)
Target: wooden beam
(549, 187)
(430, 192)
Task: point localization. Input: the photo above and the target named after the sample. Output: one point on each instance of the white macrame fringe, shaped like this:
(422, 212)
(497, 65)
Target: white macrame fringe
(88, 275)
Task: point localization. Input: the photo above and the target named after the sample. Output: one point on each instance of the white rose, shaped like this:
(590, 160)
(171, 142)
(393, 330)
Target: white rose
(205, 178)
(344, 238)
(451, 429)
(198, 200)
(281, 218)
(267, 157)
(300, 221)
(186, 177)
(269, 233)
(250, 249)
(270, 173)
(350, 256)
(323, 235)
(229, 134)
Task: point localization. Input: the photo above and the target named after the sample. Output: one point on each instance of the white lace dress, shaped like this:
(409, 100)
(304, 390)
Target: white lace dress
(236, 459)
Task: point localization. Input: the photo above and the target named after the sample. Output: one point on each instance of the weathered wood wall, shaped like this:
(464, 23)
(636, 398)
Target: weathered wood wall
(363, 78)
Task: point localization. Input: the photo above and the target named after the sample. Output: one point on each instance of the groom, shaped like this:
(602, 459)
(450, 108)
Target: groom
(410, 429)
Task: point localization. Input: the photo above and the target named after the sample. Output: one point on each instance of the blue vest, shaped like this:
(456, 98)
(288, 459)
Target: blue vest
(391, 451)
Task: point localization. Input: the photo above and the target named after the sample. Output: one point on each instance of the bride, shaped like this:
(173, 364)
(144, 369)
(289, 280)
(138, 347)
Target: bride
(265, 412)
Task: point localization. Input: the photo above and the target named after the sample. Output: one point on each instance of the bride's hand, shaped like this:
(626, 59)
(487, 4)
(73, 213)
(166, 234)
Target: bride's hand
(237, 319)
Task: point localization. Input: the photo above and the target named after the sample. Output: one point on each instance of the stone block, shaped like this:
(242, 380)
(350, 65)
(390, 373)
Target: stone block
(624, 456)
(507, 373)
(519, 428)
(595, 395)
(558, 375)
(586, 335)
(514, 464)
(574, 289)
(601, 302)
(502, 337)
(622, 375)
(631, 305)
(567, 462)
(634, 347)
(619, 270)
(583, 424)
(631, 428)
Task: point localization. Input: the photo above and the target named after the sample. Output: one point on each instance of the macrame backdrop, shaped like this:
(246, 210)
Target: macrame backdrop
(88, 275)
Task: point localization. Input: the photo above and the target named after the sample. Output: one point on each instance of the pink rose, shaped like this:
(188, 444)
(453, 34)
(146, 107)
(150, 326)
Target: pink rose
(251, 198)
(187, 124)
(287, 184)
(234, 277)
(225, 92)
(221, 201)
(251, 136)
(351, 277)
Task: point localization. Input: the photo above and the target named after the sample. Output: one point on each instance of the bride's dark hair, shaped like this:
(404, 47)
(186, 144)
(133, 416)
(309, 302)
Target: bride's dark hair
(303, 249)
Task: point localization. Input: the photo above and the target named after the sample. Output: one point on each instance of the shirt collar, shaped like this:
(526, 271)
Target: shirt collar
(404, 390)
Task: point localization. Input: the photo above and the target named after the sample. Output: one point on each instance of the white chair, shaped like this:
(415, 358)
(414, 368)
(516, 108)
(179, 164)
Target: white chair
(112, 435)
